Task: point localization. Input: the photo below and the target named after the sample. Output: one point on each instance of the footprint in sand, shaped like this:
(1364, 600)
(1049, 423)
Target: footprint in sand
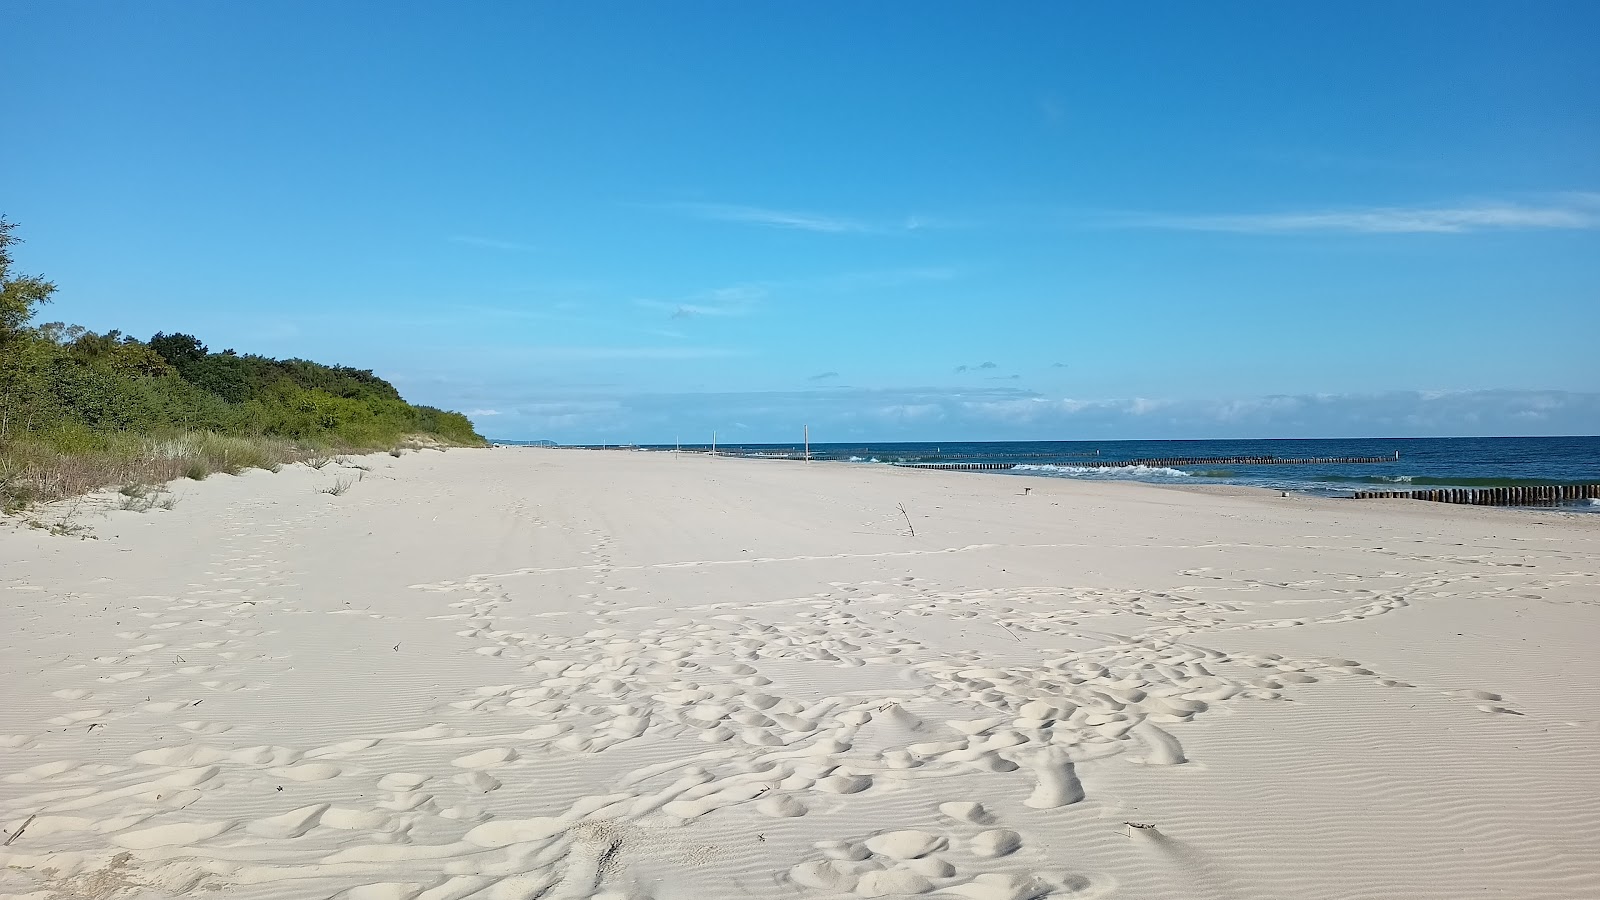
(43, 772)
(994, 843)
(204, 728)
(486, 759)
(291, 824)
(308, 772)
(81, 715)
(477, 782)
(912, 861)
(173, 835)
(343, 748)
(402, 781)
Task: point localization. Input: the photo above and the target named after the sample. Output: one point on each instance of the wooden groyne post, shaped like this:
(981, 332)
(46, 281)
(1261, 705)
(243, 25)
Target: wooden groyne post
(1521, 495)
(959, 467)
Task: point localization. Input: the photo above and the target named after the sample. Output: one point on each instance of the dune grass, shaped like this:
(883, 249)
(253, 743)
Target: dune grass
(41, 468)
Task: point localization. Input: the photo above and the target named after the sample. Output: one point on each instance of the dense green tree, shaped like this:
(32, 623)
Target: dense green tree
(181, 350)
(56, 376)
(20, 295)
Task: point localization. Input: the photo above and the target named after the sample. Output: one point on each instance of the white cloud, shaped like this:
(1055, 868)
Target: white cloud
(881, 278)
(911, 412)
(491, 243)
(475, 413)
(798, 220)
(775, 218)
(584, 414)
(736, 300)
(1568, 211)
(584, 353)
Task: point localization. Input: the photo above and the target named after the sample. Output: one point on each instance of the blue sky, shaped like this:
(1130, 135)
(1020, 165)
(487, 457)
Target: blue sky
(607, 222)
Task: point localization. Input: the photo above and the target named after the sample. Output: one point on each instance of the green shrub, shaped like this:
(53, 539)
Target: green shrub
(81, 411)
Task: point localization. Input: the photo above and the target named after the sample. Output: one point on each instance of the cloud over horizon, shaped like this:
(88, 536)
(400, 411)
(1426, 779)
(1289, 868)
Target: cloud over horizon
(1575, 210)
(1009, 413)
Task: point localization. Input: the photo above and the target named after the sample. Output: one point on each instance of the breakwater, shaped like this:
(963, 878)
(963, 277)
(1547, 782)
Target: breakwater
(1524, 495)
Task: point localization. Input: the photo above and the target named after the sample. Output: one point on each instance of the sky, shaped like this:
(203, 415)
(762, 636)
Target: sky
(641, 222)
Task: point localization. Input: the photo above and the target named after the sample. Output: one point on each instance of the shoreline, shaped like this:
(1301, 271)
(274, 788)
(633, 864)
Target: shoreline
(1218, 489)
(483, 672)
(1567, 494)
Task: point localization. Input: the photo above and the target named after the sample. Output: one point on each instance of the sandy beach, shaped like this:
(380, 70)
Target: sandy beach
(521, 673)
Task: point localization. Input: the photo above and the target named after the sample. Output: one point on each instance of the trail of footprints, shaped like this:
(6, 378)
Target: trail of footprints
(731, 710)
(917, 861)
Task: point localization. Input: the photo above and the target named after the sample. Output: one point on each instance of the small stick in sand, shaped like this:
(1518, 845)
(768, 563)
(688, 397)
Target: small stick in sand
(908, 519)
(18, 833)
(1142, 825)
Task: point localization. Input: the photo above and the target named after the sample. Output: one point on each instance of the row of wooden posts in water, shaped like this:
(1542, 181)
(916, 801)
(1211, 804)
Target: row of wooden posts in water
(1525, 495)
(960, 467)
(1240, 461)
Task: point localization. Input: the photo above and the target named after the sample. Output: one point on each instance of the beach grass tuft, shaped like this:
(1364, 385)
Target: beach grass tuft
(46, 467)
(42, 468)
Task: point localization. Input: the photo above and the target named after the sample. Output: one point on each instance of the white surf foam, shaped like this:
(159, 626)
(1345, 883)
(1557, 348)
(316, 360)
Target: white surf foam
(1111, 472)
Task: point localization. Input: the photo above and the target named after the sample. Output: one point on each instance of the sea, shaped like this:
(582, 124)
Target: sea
(1422, 462)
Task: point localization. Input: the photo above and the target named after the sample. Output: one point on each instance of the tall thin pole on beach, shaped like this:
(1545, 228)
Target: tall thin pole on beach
(808, 443)
(713, 443)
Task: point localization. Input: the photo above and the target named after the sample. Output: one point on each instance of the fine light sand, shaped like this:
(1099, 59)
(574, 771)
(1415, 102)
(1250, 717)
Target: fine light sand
(548, 673)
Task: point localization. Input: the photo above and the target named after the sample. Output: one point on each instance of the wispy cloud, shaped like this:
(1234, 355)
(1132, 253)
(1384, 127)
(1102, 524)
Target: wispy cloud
(805, 220)
(878, 279)
(994, 411)
(1052, 109)
(748, 298)
(582, 353)
(737, 300)
(774, 218)
(823, 376)
(1569, 211)
(475, 413)
(491, 243)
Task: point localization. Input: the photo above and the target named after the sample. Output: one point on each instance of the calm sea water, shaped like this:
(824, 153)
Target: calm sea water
(1423, 462)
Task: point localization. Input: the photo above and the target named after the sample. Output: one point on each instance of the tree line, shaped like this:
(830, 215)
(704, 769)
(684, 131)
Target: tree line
(58, 380)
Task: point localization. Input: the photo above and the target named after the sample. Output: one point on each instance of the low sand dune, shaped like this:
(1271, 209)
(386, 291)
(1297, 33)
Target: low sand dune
(517, 674)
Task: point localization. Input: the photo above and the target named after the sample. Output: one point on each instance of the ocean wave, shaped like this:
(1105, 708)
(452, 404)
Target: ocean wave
(1443, 480)
(1102, 471)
